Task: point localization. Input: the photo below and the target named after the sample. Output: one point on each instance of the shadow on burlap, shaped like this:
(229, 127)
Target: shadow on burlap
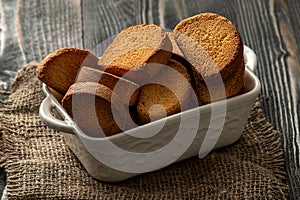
(40, 165)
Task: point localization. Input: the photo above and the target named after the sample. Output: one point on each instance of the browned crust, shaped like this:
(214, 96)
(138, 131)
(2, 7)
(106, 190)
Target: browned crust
(175, 50)
(83, 99)
(233, 85)
(152, 94)
(141, 72)
(56, 94)
(125, 88)
(233, 55)
(144, 72)
(94, 89)
(59, 69)
(244, 87)
(178, 56)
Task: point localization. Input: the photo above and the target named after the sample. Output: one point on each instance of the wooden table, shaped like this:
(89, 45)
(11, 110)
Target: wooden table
(31, 29)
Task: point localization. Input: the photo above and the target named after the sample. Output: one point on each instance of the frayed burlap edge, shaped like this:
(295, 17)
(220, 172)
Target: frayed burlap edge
(273, 144)
(3, 103)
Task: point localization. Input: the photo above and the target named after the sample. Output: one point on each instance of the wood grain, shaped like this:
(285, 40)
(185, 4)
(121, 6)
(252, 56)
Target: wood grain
(11, 56)
(102, 20)
(49, 25)
(31, 29)
(97, 17)
(271, 29)
(171, 12)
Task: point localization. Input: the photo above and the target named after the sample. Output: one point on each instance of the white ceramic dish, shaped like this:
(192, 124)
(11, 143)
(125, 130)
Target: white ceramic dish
(179, 136)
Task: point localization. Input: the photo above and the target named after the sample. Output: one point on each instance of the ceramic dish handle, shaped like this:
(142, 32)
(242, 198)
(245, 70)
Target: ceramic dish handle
(46, 107)
(250, 59)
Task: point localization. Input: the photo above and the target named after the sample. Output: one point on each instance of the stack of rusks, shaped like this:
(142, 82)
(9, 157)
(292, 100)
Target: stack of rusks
(146, 74)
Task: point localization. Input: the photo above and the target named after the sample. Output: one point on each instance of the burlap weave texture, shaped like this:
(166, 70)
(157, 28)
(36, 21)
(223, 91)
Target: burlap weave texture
(39, 165)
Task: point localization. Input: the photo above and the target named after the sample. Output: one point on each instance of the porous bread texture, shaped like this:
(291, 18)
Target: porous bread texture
(179, 57)
(244, 88)
(94, 110)
(201, 49)
(133, 48)
(128, 91)
(215, 92)
(59, 69)
(175, 49)
(171, 96)
(56, 94)
(209, 39)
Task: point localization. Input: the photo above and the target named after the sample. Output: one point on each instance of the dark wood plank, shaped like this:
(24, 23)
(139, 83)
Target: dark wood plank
(288, 30)
(270, 29)
(35, 28)
(11, 55)
(2, 182)
(293, 11)
(29, 30)
(171, 12)
(98, 18)
(48, 25)
(104, 19)
(146, 11)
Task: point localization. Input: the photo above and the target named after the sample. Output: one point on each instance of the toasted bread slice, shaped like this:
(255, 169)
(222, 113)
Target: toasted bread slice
(233, 85)
(95, 110)
(127, 90)
(208, 40)
(171, 96)
(59, 69)
(56, 94)
(244, 88)
(179, 57)
(133, 48)
(175, 49)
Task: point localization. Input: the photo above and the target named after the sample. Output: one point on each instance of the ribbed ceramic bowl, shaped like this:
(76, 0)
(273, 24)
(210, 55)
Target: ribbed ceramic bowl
(150, 147)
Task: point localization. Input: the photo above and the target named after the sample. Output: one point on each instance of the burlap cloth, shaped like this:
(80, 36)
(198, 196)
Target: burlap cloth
(40, 165)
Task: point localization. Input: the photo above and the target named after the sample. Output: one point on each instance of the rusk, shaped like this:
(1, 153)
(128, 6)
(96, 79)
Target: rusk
(172, 96)
(95, 110)
(56, 94)
(233, 86)
(175, 49)
(209, 39)
(127, 90)
(59, 69)
(133, 49)
(179, 57)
